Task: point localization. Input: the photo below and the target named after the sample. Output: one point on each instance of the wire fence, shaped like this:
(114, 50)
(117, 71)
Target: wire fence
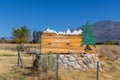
(46, 66)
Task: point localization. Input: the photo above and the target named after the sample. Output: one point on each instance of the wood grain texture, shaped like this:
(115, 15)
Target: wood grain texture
(61, 43)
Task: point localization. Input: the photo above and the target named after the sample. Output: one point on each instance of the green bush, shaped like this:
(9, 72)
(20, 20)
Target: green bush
(48, 62)
(109, 42)
(17, 40)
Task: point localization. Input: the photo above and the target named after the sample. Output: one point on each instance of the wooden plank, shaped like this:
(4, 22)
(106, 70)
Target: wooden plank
(61, 43)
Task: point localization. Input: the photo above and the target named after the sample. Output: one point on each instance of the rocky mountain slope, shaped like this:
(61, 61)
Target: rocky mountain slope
(106, 30)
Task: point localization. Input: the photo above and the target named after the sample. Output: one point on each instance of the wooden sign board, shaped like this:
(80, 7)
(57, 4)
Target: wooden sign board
(61, 43)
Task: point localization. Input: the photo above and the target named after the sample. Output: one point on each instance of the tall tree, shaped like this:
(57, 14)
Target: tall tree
(88, 37)
(36, 36)
(21, 34)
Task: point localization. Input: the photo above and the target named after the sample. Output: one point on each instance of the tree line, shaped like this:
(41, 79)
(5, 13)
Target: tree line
(23, 35)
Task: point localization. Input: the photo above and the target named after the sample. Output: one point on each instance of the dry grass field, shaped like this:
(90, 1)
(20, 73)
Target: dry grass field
(109, 59)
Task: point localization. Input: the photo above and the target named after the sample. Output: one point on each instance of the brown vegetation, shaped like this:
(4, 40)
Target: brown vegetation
(109, 51)
(110, 67)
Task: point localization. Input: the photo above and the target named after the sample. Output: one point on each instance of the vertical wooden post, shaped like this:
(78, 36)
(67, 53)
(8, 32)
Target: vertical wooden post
(18, 56)
(21, 63)
(57, 66)
(97, 72)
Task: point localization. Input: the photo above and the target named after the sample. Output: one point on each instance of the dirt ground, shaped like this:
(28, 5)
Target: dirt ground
(5, 64)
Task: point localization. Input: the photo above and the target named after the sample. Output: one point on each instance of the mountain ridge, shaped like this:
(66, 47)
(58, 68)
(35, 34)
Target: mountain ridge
(106, 31)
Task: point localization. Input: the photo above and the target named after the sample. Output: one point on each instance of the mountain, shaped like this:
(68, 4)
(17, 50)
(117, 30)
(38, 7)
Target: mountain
(106, 30)
(7, 37)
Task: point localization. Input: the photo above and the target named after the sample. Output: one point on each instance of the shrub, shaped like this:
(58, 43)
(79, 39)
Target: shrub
(48, 62)
(17, 40)
(109, 42)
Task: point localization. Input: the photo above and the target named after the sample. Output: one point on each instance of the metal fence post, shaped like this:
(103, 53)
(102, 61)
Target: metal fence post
(97, 72)
(57, 66)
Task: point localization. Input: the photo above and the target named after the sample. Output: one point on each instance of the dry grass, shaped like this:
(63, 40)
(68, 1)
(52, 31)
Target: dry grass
(7, 53)
(9, 72)
(13, 47)
(113, 48)
(83, 75)
(110, 68)
(110, 52)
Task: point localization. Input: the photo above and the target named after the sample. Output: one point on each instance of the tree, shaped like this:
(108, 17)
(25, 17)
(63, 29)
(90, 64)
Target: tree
(88, 37)
(21, 35)
(2, 39)
(36, 36)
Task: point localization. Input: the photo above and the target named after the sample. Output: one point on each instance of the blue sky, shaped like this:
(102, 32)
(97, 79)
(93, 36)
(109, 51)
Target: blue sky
(55, 14)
